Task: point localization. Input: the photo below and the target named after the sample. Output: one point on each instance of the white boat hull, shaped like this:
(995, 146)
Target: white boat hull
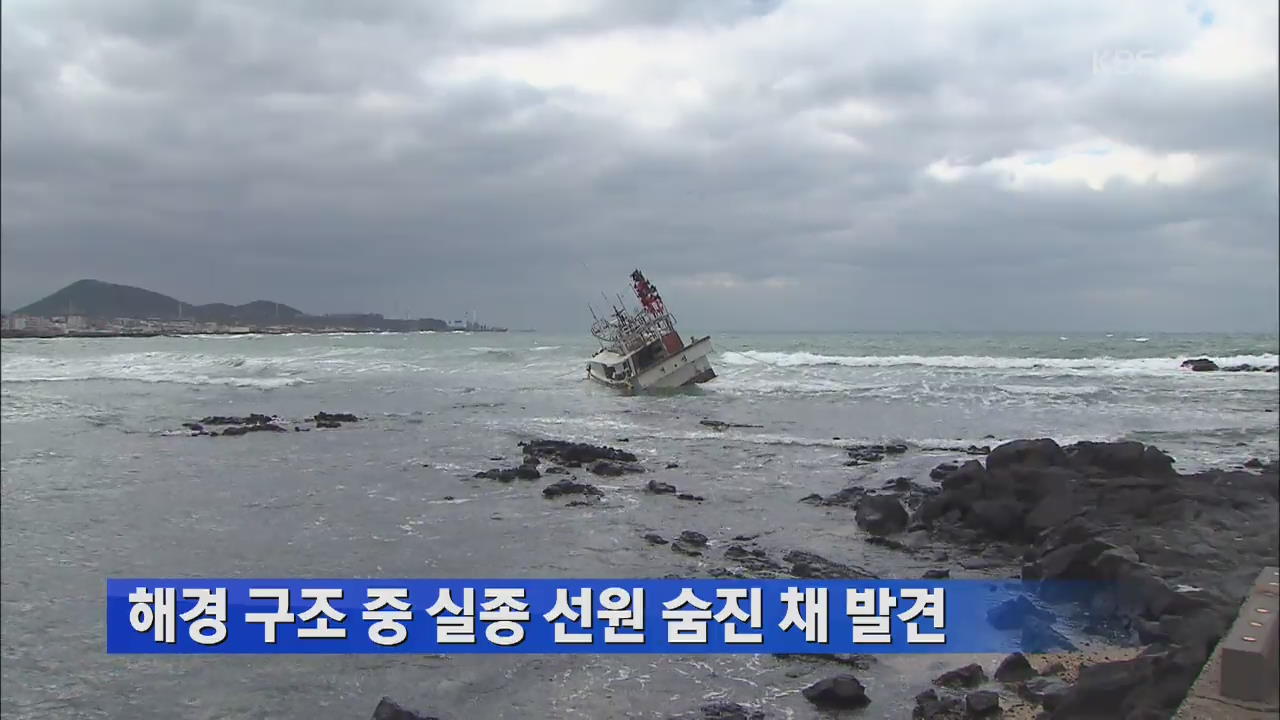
(690, 366)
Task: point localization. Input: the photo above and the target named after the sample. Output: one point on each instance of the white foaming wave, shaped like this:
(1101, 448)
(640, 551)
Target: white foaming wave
(1107, 365)
(1075, 390)
(155, 367)
(545, 347)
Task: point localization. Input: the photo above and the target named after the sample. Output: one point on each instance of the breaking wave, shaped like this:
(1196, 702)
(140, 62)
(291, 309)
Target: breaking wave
(1106, 365)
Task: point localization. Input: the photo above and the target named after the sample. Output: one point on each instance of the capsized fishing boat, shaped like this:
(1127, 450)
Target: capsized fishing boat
(641, 350)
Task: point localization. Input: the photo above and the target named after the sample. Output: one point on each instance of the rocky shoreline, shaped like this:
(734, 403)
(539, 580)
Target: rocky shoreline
(1176, 553)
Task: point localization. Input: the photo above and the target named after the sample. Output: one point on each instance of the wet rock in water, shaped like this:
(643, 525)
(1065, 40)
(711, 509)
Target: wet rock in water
(246, 429)
(1015, 668)
(580, 503)
(655, 539)
(968, 676)
(815, 567)
(1017, 613)
(556, 470)
(251, 419)
(527, 472)
(932, 706)
(607, 468)
(881, 514)
(197, 427)
(570, 487)
(572, 454)
(660, 488)
(1252, 463)
(873, 453)
(690, 496)
(694, 538)
(937, 574)
(1200, 365)
(847, 497)
(1040, 637)
(718, 425)
(943, 470)
(1045, 690)
(982, 703)
(328, 424)
(685, 549)
(812, 499)
(389, 710)
(839, 692)
(721, 711)
(335, 417)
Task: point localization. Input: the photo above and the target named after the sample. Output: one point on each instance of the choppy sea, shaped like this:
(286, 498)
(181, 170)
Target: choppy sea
(97, 482)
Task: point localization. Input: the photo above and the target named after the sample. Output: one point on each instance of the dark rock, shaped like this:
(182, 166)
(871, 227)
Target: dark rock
(812, 499)
(690, 496)
(936, 574)
(839, 692)
(1015, 668)
(570, 487)
(655, 539)
(193, 426)
(389, 710)
(556, 470)
(1047, 691)
(982, 703)
(607, 468)
(1040, 637)
(1101, 689)
(328, 424)
(572, 454)
(943, 470)
(881, 514)
(1200, 365)
(527, 472)
(808, 565)
(694, 538)
(931, 706)
(685, 549)
(246, 429)
(967, 676)
(251, 419)
(718, 425)
(999, 519)
(1042, 452)
(721, 711)
(660, 488)
(1017, 613)
(335, 417)
(672, 466)
(1250, 463)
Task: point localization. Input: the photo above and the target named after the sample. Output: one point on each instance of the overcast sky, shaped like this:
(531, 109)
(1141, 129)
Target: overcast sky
(945, 165)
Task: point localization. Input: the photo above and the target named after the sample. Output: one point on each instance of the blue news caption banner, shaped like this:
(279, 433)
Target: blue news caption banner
(293, 616)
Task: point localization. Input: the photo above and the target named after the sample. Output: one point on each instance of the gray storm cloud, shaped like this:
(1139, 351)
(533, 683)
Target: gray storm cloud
(1055, 166)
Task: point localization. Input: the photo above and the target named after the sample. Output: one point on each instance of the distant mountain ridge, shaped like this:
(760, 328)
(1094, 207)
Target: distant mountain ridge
(98, 299)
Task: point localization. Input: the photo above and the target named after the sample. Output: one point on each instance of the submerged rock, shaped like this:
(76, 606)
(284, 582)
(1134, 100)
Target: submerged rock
(389, 710)
(721, 711)
(968, 676)
(568, 486)
(660, 488)
(881, 514)
(839, 692)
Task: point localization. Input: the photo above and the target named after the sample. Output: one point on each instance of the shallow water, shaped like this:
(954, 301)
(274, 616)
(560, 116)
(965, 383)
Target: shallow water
(96, 485)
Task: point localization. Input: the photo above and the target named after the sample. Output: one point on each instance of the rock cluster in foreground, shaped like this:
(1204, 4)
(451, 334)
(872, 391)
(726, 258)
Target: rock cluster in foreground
(235, 425)
(1178, 553)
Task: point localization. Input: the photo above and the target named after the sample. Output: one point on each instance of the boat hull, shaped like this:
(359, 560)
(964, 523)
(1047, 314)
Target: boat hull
(690, 366)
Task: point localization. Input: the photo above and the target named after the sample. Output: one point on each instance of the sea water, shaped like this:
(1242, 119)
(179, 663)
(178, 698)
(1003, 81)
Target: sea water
(100, 480)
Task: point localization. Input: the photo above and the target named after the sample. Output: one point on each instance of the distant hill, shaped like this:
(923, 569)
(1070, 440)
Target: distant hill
(94, 298)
